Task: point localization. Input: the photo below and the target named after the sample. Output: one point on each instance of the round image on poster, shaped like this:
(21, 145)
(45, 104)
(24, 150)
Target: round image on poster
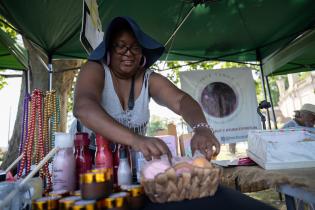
(218, 99)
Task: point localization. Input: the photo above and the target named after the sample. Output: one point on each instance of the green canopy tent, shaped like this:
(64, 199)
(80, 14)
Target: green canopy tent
(12, 55)
(227, 29)
(230, 30)
(296, 57)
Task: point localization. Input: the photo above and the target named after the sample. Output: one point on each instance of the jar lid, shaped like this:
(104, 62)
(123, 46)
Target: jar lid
(68, 202)
(76, 193)
(81, 139)
(46, 203)
(107, 171)
(84, 204)
(116, 200)
(70, 198)
(134, 190)
(88, 178)
(62, 193)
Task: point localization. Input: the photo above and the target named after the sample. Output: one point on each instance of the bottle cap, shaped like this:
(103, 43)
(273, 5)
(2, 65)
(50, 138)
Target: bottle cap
(63, 140)
(81, 139)
(122, 153)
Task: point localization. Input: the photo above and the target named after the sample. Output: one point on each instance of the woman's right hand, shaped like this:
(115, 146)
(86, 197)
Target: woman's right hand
(151, 147)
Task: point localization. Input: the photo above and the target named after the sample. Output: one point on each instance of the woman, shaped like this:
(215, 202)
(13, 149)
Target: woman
(114, 87)
(112, 95)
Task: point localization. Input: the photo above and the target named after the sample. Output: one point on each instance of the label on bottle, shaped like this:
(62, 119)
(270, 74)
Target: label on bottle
(64, 171)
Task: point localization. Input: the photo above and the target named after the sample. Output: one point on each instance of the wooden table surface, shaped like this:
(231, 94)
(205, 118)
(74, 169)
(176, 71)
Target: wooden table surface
(255, 178)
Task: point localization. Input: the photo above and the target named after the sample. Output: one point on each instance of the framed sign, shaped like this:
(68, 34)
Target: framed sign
(228, 100)
(91, 31)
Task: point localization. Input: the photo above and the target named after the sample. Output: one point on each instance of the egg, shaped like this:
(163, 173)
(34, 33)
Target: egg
(155, 167)
(201, 162)
(183, 167)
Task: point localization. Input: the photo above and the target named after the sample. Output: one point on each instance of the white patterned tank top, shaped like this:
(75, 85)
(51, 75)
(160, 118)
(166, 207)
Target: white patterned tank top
(136, 119)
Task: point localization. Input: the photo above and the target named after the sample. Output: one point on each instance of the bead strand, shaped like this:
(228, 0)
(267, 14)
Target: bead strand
(31, 133)
(24, 128)
(26, 139)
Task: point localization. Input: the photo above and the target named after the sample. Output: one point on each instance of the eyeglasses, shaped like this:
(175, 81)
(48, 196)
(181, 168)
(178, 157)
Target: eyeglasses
(122, 49)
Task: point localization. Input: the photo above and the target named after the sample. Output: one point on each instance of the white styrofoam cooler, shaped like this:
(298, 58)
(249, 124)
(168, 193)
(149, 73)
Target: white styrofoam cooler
(282, 149)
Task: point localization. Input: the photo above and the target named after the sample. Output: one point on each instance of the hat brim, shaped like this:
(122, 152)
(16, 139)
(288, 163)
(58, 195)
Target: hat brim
(152, 49)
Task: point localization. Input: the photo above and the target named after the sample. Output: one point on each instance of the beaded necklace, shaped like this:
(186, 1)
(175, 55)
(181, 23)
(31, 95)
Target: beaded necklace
(24, 126)
(41, 119)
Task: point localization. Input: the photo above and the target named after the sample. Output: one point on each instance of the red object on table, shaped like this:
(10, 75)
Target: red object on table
(9, 177)
(82, 154)
(246, 161)
(103, 154)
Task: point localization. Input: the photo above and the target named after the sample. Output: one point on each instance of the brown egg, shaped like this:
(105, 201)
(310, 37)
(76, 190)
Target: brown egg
(202, 162)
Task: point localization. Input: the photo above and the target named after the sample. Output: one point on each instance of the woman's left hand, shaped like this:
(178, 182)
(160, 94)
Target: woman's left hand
(205, 141)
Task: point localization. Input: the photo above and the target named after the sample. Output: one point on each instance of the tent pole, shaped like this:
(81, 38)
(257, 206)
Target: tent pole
(27, 81)
(272, 107)
(263, 83)
(50, 73)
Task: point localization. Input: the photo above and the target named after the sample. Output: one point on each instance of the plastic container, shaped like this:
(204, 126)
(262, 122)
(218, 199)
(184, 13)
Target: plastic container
(83, 156)
(124, 174)
(103, 154)
(64, 163)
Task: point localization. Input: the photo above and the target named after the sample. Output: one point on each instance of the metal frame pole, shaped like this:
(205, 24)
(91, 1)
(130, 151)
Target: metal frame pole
(50, 73)
(263, 83)
(272, 108)
(28, 81)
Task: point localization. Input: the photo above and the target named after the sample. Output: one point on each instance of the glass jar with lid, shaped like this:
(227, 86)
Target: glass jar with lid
(94, 186)
(136, 196)
(46, 203)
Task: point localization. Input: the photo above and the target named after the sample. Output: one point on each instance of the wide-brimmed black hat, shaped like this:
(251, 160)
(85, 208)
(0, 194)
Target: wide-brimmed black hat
(152, 49)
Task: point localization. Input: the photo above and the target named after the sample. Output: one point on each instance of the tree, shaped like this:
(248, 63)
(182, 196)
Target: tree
(156, 124)
(2, 82)
(62, 83)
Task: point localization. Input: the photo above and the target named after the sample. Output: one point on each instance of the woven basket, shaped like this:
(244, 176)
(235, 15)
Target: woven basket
(167, 186)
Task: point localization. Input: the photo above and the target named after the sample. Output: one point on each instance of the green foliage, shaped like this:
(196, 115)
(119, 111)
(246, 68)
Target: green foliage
(156, 124)
(71, 95)
(5, 26)
(304, 75)
(2, 82)
(2, 153)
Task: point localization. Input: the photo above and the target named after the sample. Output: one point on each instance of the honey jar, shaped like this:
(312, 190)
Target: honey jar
(67, 202)
(136, 196)
(117, 201)
(46, 203)
(84, 205)
(94, 186)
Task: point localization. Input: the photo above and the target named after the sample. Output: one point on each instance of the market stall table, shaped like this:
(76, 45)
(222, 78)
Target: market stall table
(294, 183)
